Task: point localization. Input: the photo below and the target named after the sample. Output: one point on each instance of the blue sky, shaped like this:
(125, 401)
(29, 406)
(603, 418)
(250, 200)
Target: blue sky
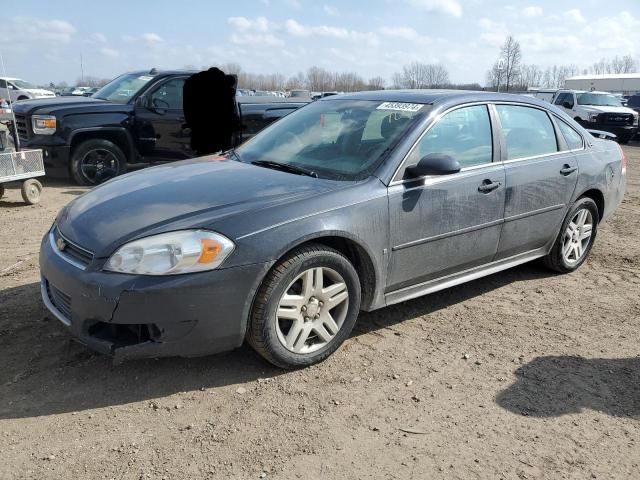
(42, 40)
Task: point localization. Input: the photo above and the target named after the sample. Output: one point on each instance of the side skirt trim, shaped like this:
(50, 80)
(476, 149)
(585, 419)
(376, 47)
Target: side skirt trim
(431, 286)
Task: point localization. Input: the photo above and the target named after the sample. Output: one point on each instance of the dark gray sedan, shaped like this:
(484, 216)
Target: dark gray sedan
(354, 202)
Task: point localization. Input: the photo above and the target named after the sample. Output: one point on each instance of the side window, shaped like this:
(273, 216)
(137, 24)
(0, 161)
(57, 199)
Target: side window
(463, 134)
(3, 84)
(561, 98)
(633, 101)
(169, 95)
(573, 138)
(528, 131)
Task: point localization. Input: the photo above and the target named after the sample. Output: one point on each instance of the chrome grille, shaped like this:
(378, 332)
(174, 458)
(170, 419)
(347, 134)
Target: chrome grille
(70, 251)
(59, 299)
(618, 118)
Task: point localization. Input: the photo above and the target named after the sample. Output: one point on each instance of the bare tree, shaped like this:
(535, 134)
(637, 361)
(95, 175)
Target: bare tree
(298, 81)
(422, 75)
(319, 79)
(624, 64)
(512, 56)
(376, 83)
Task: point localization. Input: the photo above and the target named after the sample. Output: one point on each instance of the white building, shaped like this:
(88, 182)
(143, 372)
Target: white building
(624, 83)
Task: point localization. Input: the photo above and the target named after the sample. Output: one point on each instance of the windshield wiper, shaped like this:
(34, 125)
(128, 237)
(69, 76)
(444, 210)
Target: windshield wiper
(285, 168)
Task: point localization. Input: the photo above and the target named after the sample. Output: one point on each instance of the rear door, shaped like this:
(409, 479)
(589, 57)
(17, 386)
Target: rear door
(541, 175)
(443, 224)
(160, 124)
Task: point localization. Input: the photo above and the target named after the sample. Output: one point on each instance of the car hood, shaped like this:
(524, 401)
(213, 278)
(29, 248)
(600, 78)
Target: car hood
(599, 109)
(50, 106)
(189, 194)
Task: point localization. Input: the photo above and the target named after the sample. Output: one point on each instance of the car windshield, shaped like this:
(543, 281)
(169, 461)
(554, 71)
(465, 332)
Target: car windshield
(334, 139)
(22, 84)
(598, 99)
(123, 88)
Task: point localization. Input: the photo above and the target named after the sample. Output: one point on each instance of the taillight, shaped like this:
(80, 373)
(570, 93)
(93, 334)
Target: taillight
(623, 161)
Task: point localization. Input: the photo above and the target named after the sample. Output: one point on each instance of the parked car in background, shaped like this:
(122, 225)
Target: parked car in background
(17, 89)
(137, 118)
(633, 102)
(350, 203)
(545, 94)
(90, 91)
(599, 111)
(300, 93)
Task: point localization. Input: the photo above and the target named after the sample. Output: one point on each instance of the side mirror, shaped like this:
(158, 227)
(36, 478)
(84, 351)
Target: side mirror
(434, 164)
(567, 104)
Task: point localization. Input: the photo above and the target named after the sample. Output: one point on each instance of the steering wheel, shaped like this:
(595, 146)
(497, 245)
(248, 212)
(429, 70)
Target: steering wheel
(292, 138)
(160, 104)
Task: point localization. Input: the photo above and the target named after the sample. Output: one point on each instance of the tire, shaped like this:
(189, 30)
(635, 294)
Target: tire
(557, 259)
(96, 161)
(267, 332)
(31, 190)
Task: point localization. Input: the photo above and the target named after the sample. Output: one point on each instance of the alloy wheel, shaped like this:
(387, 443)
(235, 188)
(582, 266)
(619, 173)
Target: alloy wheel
(312, 310)
(99, 165)
(577, 236)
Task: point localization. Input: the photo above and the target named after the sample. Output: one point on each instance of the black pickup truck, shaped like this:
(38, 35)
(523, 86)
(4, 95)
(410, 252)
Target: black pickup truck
(137, 118)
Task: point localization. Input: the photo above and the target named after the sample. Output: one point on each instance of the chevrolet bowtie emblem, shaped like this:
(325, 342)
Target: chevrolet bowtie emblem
(61, 244)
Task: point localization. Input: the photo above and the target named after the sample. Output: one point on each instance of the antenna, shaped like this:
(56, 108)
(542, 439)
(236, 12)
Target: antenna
(81, 69)
(16, 139)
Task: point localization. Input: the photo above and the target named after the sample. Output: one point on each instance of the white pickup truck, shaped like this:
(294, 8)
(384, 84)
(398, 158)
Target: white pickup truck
(599, 111)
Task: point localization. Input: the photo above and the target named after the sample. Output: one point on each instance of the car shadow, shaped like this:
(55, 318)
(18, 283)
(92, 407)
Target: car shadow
(45, 372)
(560, 385)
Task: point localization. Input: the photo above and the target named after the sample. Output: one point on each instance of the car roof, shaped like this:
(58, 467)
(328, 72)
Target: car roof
(431, 97)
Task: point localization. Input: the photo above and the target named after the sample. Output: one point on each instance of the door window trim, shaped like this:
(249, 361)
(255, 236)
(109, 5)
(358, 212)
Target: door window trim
(494, 145)
(557, 119)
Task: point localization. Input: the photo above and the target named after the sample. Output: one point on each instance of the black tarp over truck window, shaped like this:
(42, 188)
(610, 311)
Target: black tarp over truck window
(211, 111)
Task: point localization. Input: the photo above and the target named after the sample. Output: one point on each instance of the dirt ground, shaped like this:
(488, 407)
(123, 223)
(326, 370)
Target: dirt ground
(521, 375)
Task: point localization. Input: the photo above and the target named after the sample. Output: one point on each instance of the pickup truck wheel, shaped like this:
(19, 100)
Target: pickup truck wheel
(95, 161)
(306, 307)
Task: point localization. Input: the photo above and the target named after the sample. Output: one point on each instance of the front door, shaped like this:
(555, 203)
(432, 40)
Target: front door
(160, 125)
(541, 175)
(445, 224)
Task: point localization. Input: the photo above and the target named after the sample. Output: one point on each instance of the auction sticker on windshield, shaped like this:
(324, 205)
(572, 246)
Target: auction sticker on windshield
(400, 106)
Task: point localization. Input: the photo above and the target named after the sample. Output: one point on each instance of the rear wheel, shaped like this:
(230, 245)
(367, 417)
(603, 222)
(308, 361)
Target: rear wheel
(95, 161)
(306, 307)
(576, 237)
(31, 190)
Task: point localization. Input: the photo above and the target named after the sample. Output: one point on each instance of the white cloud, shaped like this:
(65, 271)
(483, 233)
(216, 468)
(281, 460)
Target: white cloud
(257, 40)
(151, 38)
(243, 24)
(109, 52)
(330, 10)
(575, 15)
(33, 29)
(99, 37)
(405, 33)
(450, 7)
(533, 11)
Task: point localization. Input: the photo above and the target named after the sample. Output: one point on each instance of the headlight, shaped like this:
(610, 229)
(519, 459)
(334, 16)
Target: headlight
(43, 124)
(171, 253)
(593, 117)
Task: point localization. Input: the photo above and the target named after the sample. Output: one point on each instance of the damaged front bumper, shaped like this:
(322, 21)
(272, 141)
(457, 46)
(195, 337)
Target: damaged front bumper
(130, 316)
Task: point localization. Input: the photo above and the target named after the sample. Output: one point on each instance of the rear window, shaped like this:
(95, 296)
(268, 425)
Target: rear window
(573, 138)
(528, 131)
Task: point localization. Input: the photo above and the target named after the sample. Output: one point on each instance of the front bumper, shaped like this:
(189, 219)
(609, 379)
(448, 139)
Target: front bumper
(55, 154)
(129, 316)
(623, 132)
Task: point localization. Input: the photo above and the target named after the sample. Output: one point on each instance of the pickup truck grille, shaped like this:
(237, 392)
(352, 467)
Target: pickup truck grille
(22, 127)
(616, 118)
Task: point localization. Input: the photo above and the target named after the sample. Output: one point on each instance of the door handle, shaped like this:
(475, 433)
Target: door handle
(568, 170)
(488, 186)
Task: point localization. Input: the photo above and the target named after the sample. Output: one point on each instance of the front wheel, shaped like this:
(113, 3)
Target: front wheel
(95, 161)
(305, 308)
(576, 237)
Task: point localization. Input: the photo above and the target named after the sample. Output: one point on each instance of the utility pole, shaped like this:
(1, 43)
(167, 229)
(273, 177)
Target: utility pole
(81, 70)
